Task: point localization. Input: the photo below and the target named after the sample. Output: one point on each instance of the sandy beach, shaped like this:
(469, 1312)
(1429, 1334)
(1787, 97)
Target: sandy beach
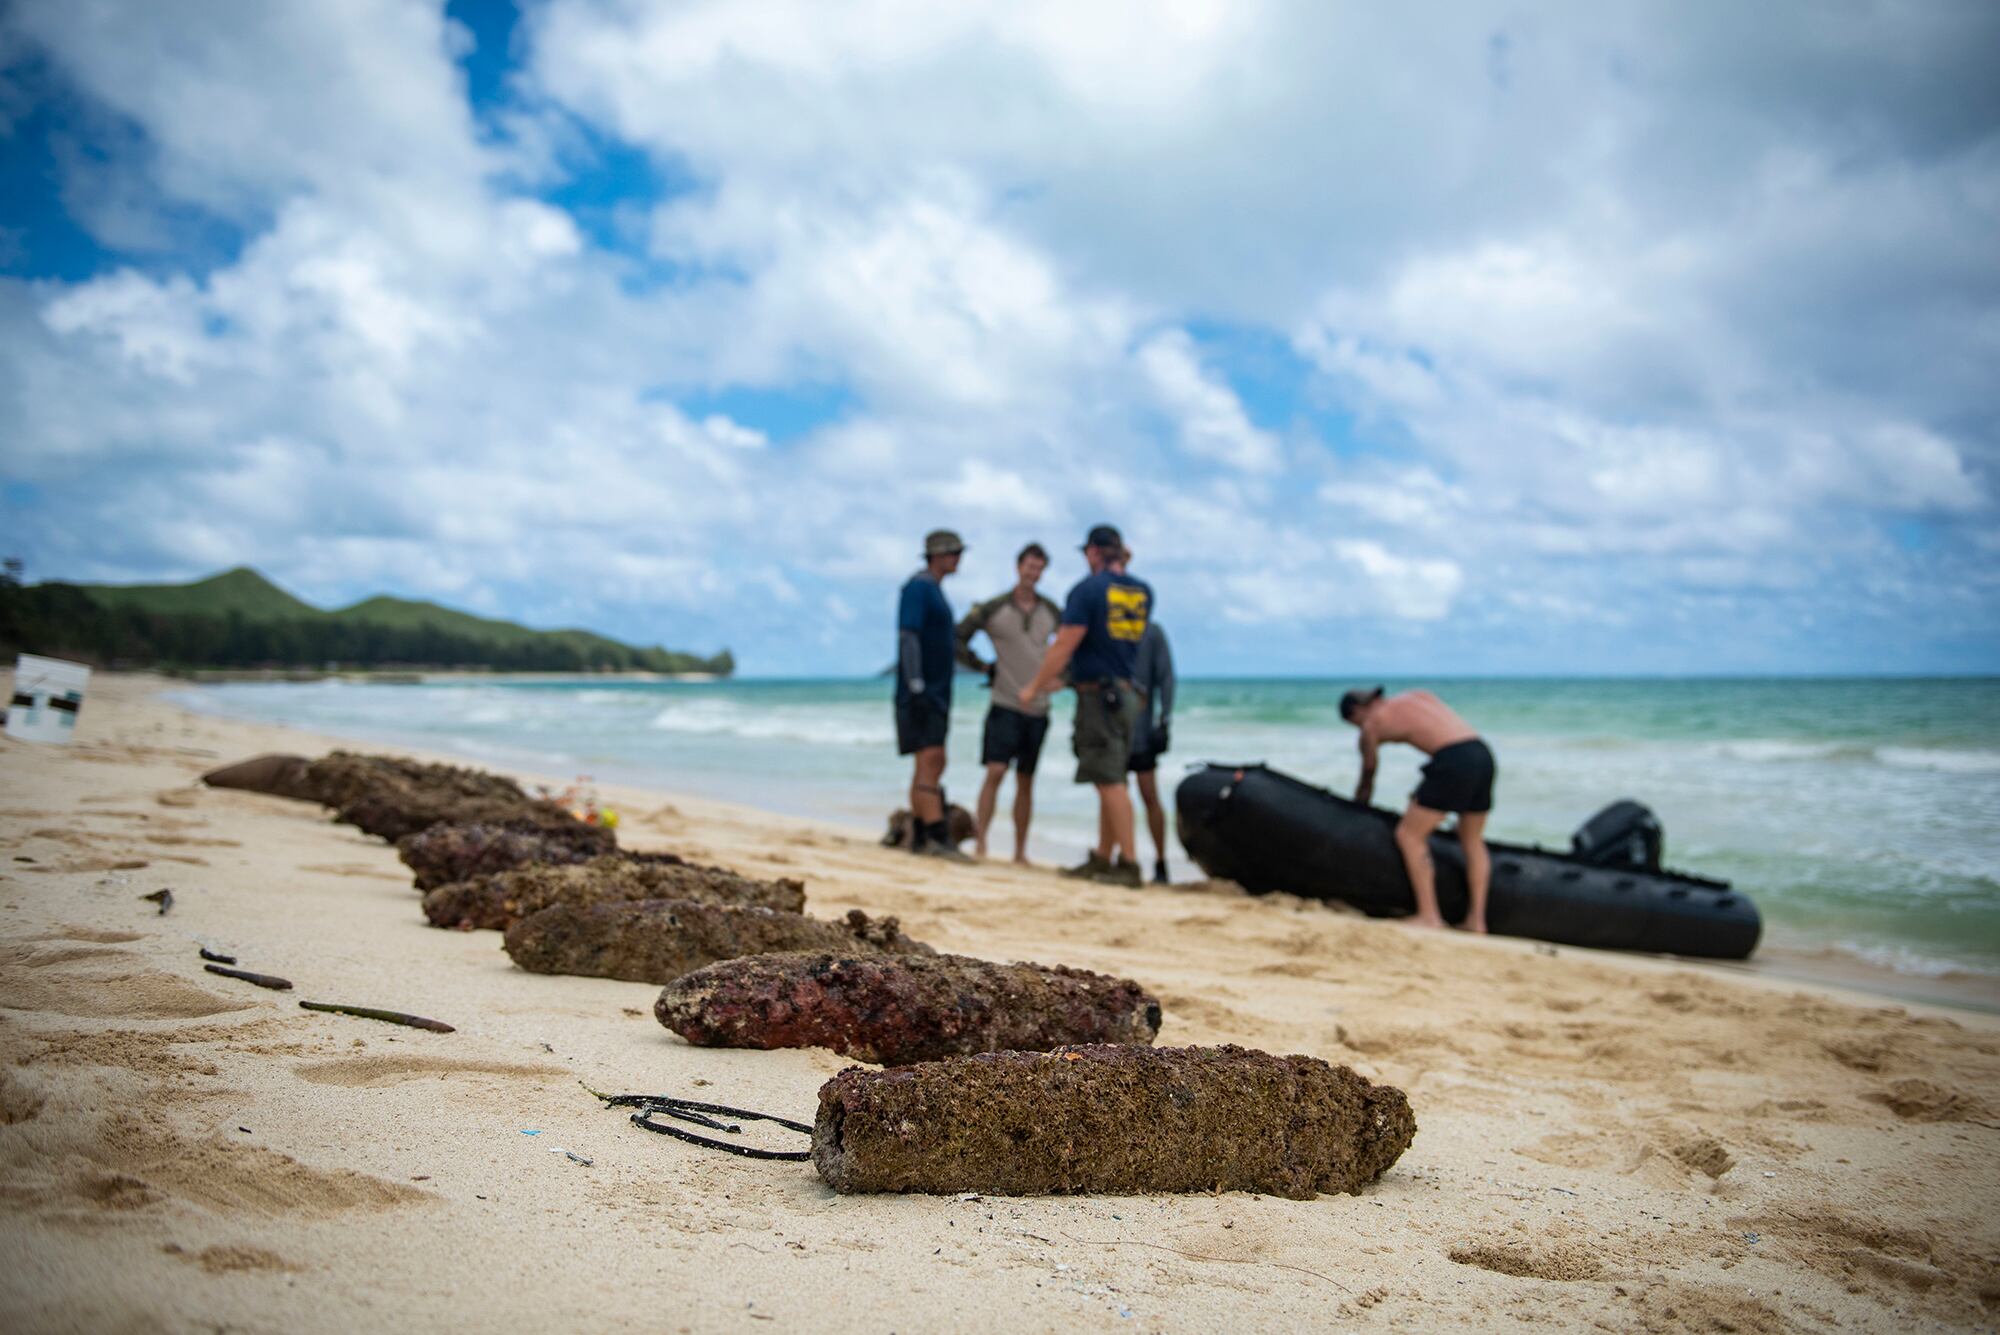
(1603, 1143)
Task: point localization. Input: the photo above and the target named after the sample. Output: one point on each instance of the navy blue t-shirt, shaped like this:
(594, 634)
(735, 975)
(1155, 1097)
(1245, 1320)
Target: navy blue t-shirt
(924, 610)
(1113, 610)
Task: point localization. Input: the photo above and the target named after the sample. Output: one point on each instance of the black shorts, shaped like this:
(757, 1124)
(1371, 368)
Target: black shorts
(1458, 778)
(920, 723)
(1143, 762)
(1013, 738)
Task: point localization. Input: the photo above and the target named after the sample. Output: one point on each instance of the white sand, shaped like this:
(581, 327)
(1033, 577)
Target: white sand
(1604, 1143)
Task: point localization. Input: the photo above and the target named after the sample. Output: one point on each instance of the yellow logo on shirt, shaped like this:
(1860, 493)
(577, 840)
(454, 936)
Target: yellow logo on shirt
(1125, 612)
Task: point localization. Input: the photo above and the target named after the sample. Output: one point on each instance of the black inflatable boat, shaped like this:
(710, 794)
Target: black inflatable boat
(1268, 831)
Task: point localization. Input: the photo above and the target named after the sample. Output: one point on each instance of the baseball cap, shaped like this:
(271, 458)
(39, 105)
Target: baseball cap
(942, 542)
(1103, 536)
(1351, 703)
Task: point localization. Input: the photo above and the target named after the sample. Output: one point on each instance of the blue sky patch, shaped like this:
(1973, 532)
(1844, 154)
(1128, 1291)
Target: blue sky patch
(780, 413)
(1611, 420)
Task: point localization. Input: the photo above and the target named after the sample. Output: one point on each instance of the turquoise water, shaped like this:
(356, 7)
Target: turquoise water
(1863, 815)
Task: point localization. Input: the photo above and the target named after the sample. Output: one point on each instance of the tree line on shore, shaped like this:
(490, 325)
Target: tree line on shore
(79, 622)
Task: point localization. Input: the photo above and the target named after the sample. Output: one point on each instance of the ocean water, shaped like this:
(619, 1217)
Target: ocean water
(1862, 815)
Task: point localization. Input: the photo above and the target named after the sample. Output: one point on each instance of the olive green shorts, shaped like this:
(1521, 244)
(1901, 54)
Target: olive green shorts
(1103, 738)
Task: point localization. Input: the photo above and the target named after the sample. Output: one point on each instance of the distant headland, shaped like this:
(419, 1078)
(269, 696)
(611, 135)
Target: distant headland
(241, 621)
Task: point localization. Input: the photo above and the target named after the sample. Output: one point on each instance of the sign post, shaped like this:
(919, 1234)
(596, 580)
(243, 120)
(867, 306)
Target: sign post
(48, 693)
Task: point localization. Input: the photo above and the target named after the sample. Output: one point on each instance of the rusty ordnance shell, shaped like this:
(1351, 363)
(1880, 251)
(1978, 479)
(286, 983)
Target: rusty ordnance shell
(390, 796)
(501, 900)
(1110, 1119)
(450, 851)
(279, 775)
(658, 940)
(341, 777)
(892, 1009)
(394, 810)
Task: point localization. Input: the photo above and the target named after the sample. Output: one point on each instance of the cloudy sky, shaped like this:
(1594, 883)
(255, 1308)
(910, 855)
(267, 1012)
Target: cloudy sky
(1619, 337)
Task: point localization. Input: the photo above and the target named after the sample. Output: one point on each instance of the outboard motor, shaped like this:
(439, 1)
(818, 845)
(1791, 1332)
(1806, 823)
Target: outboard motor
(1625, 834)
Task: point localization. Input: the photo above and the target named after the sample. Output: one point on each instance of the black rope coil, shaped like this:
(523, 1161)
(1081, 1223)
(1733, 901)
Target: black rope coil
(687, 1110)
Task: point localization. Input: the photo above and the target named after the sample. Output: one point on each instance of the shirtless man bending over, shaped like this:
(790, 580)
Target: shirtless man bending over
(1459, 778)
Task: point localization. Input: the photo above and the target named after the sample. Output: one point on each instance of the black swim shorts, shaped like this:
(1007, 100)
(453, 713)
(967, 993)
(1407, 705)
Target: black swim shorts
(1458, 778)
(1013, 738)
(1143, 762)
(921, 722)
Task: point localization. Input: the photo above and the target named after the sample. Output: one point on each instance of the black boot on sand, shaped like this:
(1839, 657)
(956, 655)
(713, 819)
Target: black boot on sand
(1160, 872)
(1087, 869)
(1121, 873)
(940, 845)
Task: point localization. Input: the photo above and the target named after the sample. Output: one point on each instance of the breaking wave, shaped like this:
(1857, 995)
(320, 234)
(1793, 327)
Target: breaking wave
(814, 726)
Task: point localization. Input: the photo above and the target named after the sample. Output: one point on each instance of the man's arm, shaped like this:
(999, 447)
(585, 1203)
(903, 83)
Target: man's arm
(1053, 663)
(1365, 789)
(975, 621)
(910, 653)
(909, 649)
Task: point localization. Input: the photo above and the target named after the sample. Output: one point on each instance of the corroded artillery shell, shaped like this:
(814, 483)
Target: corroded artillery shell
(390, 796)
(907, 1008)
(658, 940)
(280, 775)
(1110, 1119)
(450, 851)
(341, 777)
(395, 809)
(501, 900)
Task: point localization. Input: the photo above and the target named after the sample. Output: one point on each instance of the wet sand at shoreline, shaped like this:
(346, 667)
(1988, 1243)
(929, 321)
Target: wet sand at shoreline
(1602, 1143)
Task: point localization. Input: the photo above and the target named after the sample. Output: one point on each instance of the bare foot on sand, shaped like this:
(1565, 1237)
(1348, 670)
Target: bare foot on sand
(1475, 925)
(1424, 920)
(1021, 860)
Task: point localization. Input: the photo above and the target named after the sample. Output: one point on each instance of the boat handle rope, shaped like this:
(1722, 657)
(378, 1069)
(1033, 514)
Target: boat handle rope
(688, 1110)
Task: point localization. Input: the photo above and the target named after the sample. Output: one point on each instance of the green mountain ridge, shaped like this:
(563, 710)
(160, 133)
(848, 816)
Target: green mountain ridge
(240, 590)
(239, 618)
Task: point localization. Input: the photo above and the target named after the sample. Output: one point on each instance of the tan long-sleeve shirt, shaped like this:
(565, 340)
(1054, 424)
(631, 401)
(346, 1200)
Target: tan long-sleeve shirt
(1019, 640)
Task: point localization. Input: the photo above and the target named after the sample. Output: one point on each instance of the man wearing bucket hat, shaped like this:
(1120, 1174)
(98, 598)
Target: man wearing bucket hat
(924, 650)
(1458, 778)
(1103, 620)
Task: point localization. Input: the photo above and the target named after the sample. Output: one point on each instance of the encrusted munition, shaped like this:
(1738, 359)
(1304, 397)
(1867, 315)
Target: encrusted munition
(501, 900)
(658, 940)
(393, 809)
(342, 777)
(277, 774)
(902, 1008)
(1110, 1118)
(392, 797)
(449, 852)
(339, 777)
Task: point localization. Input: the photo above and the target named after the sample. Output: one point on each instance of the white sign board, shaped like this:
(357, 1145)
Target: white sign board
(47, 695)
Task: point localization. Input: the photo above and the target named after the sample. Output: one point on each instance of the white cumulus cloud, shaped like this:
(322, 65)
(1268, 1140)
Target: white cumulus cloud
(1436, 333)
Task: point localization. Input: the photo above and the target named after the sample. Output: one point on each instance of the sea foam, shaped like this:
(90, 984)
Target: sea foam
(1951, 761)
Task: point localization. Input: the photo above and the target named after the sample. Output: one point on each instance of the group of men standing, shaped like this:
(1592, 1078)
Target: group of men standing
(1103, 642)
